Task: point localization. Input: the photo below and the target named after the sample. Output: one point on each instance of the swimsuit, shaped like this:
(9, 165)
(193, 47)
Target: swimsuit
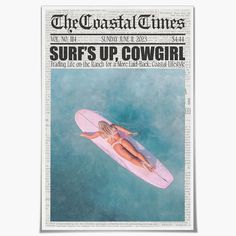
(118, 141)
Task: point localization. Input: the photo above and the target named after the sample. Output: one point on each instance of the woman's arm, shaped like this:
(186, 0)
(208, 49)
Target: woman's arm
(122, 129)
(89, 135)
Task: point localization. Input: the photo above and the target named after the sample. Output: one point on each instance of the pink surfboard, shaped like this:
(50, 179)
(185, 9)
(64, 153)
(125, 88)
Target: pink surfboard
(87, 120)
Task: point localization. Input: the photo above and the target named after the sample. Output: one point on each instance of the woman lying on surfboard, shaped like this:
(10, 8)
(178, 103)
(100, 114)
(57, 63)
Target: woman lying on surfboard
(121, 145)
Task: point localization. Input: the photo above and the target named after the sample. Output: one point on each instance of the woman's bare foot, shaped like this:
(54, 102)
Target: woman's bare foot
(147, 166)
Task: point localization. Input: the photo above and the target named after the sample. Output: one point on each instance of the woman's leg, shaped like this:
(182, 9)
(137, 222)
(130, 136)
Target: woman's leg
(125, 143)
(127, 155)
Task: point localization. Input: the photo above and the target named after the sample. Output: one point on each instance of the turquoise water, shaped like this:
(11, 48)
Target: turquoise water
(86, 184)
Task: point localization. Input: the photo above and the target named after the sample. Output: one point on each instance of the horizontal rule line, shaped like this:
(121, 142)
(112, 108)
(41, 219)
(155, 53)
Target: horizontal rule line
(117, 43)
(122, 34)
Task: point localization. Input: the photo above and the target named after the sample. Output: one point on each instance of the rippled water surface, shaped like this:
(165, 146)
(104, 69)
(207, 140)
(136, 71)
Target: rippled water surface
(86, 184)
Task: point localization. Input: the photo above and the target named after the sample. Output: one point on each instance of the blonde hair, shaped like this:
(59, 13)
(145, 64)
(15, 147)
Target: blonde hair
(106, 129)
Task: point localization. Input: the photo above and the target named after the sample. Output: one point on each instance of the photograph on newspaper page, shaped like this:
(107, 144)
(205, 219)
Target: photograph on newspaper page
(117, 118)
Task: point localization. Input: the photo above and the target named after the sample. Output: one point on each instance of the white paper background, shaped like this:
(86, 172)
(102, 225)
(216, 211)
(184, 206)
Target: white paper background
(20, 114)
